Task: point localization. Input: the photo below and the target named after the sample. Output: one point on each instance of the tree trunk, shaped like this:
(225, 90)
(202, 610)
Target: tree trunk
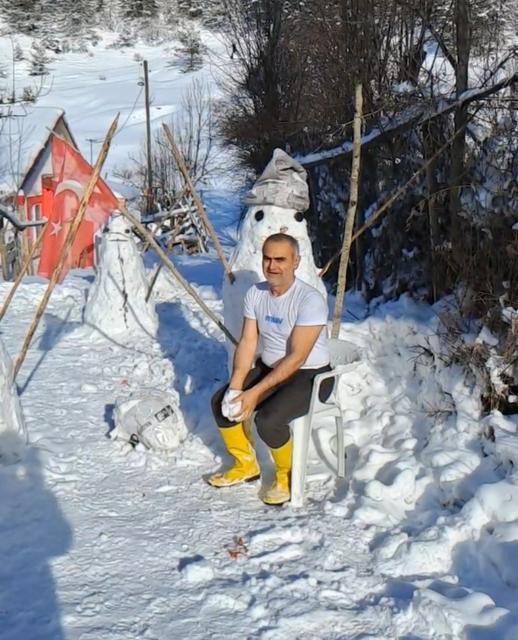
(463, 42)
(351, 214)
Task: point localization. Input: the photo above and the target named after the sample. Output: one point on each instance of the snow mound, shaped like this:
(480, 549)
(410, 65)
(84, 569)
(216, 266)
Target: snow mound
(117, 304)
(196, 570)
(152, 418)
(12, 427)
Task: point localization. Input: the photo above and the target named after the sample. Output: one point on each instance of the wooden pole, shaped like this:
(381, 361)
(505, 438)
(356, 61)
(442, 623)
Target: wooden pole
(23, 270)
(67, 244)
(149, 199)
(170, 267)
(177, 200)
(158, 269)
(3, 253)
(197, 200)
(351, 214)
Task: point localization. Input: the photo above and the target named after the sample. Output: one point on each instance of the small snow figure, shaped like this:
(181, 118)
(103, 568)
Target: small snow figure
(277, 203)
(116, 305)
(12, 429)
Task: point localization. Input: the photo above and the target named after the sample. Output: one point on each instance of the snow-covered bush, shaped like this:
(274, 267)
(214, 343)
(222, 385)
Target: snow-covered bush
(189, 55)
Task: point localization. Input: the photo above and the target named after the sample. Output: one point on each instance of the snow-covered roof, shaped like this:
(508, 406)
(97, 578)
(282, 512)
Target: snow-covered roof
(24, 130)
(123, 190)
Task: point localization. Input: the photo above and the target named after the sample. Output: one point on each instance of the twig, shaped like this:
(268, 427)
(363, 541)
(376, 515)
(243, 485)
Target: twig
(177, 200)
(351, 214)
(159, 268)
(170, 267)
(399, 192)
(199, 204)
(18, 224)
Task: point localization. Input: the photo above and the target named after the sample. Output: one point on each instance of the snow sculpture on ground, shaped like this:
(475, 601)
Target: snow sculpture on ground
(276, 204)
(12, 429)
(116, 305)
(152, 418)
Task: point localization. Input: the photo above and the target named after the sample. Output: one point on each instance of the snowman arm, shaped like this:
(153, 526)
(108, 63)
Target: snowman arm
(300, 343)
(245, 353)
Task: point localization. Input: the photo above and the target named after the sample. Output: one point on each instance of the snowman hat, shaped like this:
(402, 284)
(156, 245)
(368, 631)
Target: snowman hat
(282, 184)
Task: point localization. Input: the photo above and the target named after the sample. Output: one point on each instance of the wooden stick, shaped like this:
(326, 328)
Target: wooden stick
(23, 270)
(170, 267)
(197, 200)
(351, 214)
(158, 269)
(399, 192)
(177, 200)
(168, 249)
(69, 239)
(3, 254)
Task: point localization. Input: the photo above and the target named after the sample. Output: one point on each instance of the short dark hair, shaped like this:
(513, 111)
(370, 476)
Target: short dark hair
(284, 237)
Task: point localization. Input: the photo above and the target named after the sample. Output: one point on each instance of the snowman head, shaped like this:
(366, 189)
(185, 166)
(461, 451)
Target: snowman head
(277, 203)
(262, 221)
(118, 227)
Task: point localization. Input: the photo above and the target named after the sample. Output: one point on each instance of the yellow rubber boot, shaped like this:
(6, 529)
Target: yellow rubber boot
(279, 492)
(245, 468)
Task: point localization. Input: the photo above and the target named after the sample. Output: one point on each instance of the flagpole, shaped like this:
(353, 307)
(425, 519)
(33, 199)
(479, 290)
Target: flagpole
(69, 239)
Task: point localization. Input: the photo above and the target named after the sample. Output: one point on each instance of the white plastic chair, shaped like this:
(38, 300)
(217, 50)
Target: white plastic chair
(344, 357)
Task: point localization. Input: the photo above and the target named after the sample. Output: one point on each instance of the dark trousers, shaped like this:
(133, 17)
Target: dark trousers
(280, 405)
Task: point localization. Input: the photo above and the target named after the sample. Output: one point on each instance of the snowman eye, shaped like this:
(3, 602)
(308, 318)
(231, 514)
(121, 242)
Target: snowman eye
(299, 216)
(259, 215)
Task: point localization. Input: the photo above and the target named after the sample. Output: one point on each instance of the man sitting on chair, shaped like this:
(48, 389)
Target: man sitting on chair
(287, 319)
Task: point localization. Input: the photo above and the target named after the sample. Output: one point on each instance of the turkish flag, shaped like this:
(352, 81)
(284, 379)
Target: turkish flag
(71, 175)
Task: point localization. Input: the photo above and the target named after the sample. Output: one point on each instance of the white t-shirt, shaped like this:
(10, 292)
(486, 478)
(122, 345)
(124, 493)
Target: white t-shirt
(301, 305)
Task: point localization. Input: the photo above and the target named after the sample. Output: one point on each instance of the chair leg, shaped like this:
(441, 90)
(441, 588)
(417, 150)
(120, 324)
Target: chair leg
(340, 446)
(301, 433)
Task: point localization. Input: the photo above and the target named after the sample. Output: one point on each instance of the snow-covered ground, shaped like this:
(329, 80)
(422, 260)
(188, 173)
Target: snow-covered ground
(92, 88)
(98, 540)
(102, 541)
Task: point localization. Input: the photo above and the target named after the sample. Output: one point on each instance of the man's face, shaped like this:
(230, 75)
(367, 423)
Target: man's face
(279, 263)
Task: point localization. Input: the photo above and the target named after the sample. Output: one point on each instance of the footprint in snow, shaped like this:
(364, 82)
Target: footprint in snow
(196, 569)
(281, 545)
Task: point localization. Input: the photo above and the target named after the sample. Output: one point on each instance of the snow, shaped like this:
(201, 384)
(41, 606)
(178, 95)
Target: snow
(117, 304)
(92, 88)
(416, 541)
(100, 540)
(12, 426)
(24, 130)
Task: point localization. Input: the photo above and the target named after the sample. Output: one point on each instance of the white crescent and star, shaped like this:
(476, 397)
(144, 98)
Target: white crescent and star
(78, 189)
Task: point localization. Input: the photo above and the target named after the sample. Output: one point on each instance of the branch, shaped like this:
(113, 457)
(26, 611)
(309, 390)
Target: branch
(18, 224)
(416, 116)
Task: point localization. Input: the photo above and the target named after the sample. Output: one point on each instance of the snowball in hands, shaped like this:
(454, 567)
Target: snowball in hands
(228, 409)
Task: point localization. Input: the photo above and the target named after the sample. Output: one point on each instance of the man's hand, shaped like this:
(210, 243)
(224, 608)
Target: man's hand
(249, 400)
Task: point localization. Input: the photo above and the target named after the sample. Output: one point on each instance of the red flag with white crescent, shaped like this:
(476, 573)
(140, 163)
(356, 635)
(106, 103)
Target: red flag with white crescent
(72, 172)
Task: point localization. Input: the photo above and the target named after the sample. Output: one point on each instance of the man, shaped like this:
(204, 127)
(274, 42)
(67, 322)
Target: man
(286, 318)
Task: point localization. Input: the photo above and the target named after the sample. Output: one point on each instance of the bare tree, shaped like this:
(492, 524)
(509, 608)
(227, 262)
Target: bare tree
(463, 33)
(194, 133)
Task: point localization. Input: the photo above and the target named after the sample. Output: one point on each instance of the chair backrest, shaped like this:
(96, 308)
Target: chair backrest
(342, 351)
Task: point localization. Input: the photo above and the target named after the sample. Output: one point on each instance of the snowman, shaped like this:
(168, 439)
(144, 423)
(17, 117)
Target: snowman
(117, 304)
(276, 204)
